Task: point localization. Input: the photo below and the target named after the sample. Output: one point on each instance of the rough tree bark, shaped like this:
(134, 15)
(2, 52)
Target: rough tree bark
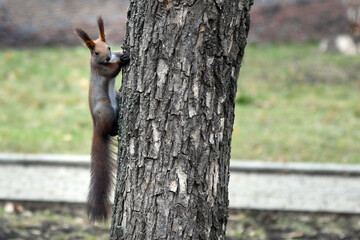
(176, 118)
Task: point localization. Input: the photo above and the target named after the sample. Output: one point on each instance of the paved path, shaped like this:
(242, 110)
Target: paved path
(295, 192)
(253, 185)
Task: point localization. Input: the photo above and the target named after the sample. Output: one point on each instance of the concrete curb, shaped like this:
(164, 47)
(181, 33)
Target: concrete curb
(253, 184)
(235, 165)
(296, 168)
(45, 159)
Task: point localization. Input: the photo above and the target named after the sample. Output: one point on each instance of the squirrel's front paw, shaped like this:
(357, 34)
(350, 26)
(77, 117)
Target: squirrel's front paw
(125, 58)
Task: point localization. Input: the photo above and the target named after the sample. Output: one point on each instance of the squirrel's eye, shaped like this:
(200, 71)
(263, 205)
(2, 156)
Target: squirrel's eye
(96, 52)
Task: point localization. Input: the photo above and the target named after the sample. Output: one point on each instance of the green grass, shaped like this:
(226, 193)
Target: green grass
(300, 105)
(293, 103)
(44, 101)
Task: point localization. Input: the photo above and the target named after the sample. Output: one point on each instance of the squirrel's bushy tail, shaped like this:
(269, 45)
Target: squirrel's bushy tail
(101, 181)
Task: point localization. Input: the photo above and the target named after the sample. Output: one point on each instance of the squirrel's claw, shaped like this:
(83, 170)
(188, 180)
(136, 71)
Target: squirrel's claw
(125, 57)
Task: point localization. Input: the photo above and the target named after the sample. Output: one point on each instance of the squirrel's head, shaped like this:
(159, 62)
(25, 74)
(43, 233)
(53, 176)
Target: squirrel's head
(99, 49)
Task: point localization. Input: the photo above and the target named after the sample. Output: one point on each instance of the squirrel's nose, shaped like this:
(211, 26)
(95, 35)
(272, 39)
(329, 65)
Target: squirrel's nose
(108, 59)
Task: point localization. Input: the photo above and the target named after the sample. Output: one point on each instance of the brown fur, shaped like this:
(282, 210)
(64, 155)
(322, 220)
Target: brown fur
(101, 29)
(104, 116)
(101, 181)
(85, 37)
(109, 70)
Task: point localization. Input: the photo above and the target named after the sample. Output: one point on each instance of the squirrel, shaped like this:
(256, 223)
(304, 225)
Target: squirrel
(103, 102)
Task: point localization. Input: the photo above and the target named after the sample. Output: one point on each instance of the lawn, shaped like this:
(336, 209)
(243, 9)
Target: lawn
(296, 104)
(293, 103)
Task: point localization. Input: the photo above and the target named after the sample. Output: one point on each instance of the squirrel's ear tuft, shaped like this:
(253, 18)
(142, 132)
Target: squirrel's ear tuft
(101, 28)
(85, 37)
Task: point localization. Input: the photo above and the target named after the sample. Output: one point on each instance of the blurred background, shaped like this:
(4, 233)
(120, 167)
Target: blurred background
(297, 102)
(298, 87)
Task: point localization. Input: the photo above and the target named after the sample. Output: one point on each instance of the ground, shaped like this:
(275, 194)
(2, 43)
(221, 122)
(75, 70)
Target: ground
(63, 221)
(268, 225)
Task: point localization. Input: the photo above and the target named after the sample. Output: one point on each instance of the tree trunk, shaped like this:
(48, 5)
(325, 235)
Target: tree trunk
(176, 118)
